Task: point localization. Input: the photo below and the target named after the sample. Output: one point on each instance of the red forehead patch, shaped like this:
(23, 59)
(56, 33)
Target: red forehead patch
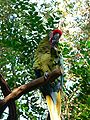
(57, 31)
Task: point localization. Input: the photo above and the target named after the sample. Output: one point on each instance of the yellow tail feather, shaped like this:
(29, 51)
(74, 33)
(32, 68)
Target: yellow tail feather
(54, 109)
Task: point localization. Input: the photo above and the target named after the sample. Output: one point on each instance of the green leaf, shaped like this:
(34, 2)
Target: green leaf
(88, 44)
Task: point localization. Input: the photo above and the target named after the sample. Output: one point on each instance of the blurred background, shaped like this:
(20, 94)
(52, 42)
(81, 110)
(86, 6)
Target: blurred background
(23, 24)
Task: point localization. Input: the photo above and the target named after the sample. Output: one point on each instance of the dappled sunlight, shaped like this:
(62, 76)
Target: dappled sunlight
(23, 24)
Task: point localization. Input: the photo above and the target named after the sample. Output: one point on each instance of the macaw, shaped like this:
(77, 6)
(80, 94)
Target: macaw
(47, 58)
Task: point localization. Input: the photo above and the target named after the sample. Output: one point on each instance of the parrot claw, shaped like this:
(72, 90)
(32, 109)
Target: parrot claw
(46, 75)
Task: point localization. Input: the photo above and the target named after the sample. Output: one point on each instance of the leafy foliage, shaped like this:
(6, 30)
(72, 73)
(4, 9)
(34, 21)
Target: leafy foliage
(22, 25)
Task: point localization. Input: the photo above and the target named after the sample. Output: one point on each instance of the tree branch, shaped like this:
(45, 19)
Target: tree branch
(12, 107)
(23, 89)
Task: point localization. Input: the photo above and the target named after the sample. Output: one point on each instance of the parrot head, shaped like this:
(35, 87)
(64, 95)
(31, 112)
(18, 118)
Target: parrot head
(54, 37)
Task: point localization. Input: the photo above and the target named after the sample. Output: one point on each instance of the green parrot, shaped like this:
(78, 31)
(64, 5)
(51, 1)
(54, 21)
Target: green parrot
(47, 58)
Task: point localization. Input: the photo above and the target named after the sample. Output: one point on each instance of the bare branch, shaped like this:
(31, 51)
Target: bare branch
(23, 89)
(12, 107)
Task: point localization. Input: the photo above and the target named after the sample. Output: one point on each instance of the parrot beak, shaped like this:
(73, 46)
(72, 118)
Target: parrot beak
(54, 107)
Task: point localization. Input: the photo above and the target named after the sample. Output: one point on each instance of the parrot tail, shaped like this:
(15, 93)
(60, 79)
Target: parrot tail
(54, 105)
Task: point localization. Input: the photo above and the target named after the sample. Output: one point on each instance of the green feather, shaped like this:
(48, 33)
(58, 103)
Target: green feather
(45, 59)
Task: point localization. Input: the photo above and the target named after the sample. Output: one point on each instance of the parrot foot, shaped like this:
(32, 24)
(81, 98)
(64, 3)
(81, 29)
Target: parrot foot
(46, 75)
